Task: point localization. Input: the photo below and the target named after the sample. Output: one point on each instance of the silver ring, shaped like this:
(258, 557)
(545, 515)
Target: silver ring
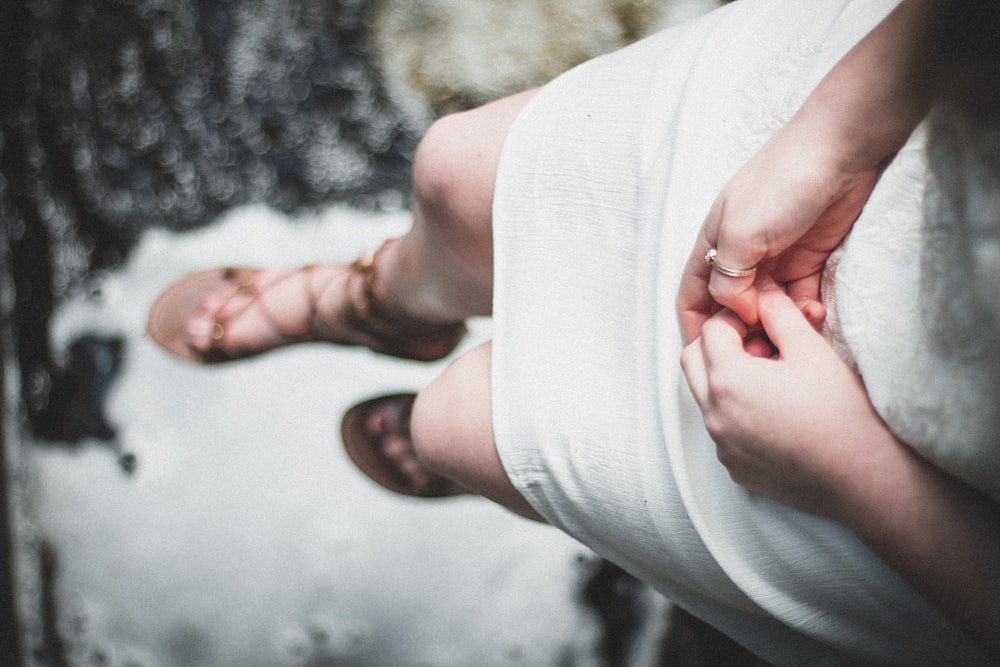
(710, 258)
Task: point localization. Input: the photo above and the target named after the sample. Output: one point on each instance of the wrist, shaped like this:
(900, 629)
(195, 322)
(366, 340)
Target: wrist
(891, 498)
(878, 472)
(843, 144)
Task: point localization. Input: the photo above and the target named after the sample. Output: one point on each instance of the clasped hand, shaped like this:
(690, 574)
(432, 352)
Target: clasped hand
(791, 421)
(785, 211)
(776, 417)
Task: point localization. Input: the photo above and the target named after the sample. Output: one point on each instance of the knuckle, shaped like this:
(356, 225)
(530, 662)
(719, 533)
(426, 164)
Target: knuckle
(727, 459)
(718, 288)
(722, 385)
(688, 358)
(718, 430)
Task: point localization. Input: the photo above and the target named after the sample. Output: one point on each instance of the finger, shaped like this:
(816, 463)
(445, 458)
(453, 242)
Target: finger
(737, 294)
(758, 346)
(784, 324)
(694, 303)
(722, 339)
(805, 293)
(805, 288)
(813, 311)
(693, 365)
(734, 248)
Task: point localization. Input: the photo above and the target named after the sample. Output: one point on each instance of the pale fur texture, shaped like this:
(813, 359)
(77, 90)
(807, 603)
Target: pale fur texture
(438, 56)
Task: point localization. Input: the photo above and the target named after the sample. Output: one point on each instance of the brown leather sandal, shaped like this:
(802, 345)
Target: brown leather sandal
(367, 314)
(365, 449)
(391, 333)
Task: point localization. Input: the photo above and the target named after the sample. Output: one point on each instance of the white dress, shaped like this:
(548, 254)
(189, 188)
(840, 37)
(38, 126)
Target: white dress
(604, 180)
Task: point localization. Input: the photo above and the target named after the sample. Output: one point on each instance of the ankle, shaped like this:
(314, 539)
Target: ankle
(404, 288)
(351, 305)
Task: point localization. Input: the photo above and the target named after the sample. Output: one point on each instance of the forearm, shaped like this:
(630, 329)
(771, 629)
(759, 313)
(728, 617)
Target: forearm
(869, 103)
(939, 534)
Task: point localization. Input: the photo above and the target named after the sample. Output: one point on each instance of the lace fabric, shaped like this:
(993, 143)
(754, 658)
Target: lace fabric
(914, 302)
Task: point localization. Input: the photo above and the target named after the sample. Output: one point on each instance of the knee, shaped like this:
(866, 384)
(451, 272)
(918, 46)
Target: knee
(453, 176)
(430, 429)
(437, 173)
(455, 166)
(452, 417)
(452, 430)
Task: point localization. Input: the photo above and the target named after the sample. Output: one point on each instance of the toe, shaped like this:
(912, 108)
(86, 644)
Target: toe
(200, 328)
(206, 327)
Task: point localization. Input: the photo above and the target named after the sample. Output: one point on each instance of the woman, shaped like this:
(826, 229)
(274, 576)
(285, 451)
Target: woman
(576, 413)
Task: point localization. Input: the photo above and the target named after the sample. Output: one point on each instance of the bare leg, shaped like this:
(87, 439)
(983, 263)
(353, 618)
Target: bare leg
(452, 430)
(440, 272)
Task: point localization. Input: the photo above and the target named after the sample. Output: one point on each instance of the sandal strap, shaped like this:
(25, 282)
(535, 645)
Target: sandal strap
(394, 333)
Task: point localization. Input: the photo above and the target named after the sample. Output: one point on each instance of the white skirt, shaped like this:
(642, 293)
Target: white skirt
(604, 181)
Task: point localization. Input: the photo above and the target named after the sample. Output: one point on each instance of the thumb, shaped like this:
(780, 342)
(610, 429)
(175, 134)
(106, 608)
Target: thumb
(783, 322)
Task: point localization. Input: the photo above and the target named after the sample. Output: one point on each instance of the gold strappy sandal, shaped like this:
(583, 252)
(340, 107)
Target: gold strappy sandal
(392, 333)
(367, 314)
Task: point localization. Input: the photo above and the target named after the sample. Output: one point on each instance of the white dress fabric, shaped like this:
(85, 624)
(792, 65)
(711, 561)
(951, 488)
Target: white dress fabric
(603, 183)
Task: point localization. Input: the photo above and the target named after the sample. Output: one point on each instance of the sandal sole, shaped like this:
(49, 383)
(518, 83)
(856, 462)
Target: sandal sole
(170, 313)
(363, 452)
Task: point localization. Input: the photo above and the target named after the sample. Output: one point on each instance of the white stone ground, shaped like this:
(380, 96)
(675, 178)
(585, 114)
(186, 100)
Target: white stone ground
(245, 537)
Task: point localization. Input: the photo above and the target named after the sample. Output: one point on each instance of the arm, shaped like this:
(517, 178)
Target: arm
(798, 427)
(796, 199)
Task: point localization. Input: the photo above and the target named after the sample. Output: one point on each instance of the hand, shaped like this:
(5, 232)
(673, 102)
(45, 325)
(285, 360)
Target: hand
(793, 426)
(797, 197)
(785, 211)
(797, 426)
